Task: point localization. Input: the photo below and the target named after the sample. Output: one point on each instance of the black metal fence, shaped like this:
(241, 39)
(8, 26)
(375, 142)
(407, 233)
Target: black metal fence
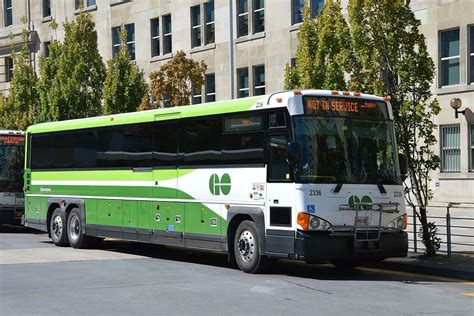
(455, 222)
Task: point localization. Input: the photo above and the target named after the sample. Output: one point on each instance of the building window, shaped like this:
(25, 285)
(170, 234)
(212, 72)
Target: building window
(242, 18)
(46, 8)
(259, 80)
(471, 150)
(450, 148)
(130, 40)
(257, 8)
(210, 87)
(316, 7)
(85, 3)
(450, 70)
(167, 48)
(471, 54)
(155, 37)
(209, 32)
(242, 82)
(195, 26)
(258, 16)
(297, 11)
(196, 96)
(46, 49)
(8, 69)
(7, 4)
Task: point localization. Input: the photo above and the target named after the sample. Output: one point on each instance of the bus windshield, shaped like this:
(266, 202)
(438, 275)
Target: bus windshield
(11, 163)
(347, 147)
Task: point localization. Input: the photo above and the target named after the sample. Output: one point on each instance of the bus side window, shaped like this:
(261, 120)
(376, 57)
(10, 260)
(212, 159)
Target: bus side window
(276, 120)
(278, 168)
(165, 140)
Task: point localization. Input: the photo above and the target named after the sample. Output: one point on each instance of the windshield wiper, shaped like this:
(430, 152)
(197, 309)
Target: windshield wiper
(341, 176)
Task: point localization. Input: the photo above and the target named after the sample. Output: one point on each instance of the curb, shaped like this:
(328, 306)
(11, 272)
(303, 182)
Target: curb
(436, 271)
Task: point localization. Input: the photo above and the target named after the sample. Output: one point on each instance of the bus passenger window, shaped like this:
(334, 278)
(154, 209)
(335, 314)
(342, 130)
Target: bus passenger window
(277, 120)
(278, 168)
(165, 148)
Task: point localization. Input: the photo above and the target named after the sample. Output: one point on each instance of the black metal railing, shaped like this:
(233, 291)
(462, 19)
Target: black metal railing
(455, 222)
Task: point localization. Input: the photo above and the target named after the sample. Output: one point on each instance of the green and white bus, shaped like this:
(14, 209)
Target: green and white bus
(311, 175)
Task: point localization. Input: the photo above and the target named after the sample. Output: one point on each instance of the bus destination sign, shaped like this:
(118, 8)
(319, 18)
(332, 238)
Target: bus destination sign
(333, 106)
(12, 140)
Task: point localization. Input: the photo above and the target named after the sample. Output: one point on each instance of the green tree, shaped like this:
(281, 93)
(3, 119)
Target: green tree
(304, 75)
(323, 53)
(333, 52)
(172, 84)
(73, 88)
(393, 60)
(17, 111)
(125, 84)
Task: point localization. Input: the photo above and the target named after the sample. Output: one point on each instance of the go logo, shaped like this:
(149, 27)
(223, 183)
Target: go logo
(218, 186)
(354, 199)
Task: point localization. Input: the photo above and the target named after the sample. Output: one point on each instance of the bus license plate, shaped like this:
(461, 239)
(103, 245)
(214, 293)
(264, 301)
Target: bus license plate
(362, 220)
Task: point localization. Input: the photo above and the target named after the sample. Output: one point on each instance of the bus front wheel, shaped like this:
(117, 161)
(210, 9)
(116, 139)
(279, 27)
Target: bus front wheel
(247, 249)
(57, 228)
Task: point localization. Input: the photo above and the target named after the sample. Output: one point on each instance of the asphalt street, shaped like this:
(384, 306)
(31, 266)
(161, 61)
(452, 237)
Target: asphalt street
(123, 278)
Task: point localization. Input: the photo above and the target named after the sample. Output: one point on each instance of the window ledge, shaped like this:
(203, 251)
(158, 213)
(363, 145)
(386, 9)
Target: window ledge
(459, 88)
(250, 37)
(161, 57)
(47, 19)
(295, 27)
(117, 2)
(87, 9)
(202, 48)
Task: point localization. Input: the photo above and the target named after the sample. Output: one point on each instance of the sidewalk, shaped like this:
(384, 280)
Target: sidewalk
(458, 266)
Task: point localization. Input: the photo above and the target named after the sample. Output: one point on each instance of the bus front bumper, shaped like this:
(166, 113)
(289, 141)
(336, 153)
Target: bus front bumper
(323, 246)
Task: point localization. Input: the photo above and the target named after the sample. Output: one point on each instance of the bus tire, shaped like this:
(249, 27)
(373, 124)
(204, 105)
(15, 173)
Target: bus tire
(247, 249)
(77, 239)
(57, 228)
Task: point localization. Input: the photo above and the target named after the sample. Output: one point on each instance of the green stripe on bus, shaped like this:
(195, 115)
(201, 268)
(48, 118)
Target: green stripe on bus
(109, 175)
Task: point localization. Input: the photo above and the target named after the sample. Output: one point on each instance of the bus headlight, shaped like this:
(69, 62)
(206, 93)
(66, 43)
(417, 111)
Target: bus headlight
(310, 222)
(400, 223)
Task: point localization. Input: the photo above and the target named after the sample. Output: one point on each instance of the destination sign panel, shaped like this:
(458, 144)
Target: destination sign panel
(12, 140)
(345, 107)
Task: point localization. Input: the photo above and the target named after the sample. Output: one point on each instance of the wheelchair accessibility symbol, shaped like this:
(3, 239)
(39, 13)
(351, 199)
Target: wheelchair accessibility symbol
(310, 209)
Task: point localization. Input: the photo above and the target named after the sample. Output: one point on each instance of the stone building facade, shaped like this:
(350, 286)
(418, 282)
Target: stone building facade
(246, 48)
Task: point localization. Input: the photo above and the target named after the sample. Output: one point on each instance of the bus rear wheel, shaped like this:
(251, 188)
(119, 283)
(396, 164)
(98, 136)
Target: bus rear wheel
(77, 239)
(247, 249)
(57, 228)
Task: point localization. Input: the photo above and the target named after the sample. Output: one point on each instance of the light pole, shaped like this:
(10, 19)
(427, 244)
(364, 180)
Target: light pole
(456, 104)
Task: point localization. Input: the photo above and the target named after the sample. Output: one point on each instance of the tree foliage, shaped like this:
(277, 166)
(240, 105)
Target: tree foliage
(73, 88)
(172, 84)
(323, 53)
(304, 75)
(125, 84)
(394, 61)
(17, 111)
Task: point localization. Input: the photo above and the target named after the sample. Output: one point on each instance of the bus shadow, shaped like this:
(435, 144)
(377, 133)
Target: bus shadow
(298, 269)
(17, 229)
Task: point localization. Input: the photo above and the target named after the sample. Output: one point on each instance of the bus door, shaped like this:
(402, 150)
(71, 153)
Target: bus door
(167, 215)
(280, 196)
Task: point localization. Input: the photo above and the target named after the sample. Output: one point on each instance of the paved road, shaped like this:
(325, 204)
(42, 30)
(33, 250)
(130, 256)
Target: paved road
(126, 278)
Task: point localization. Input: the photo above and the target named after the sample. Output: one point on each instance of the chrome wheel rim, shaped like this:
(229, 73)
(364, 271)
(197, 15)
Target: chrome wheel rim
(246, 246)
(57, 227)
(74, 227)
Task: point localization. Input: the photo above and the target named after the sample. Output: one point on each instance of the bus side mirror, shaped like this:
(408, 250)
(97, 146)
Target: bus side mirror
(403, 162)
(294, 153)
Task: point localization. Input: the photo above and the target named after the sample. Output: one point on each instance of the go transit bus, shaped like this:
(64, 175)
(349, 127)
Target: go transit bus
(311, 175)
(12, 153)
